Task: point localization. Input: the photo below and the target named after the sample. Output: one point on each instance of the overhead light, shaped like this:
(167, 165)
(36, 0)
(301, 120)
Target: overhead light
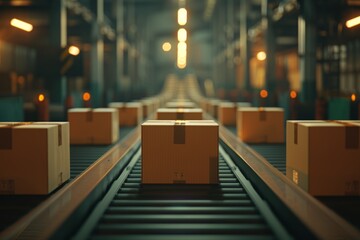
(166, 47)
(182, 35)
(181, 55)
(21, 25)
(182, 16)
(261, 56)
(353, 22)
(73, 50)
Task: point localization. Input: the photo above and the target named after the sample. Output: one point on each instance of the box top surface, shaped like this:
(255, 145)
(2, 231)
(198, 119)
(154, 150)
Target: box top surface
(330, 124)
(51, 123)
(185, 122)
(321, 124)
(179, 103)
(124, 104)
(80, 110)
(104, 110)
(29, 126)
(305, 121)
(310, 123)
(176, 110)
(17, 124)
(257, 109)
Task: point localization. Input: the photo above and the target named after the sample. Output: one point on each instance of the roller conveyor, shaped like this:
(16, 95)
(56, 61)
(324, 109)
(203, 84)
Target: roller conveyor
(250, 201)
(345, 206)
(12, 207)
(139, 211)
(275, 154)
(83, 156)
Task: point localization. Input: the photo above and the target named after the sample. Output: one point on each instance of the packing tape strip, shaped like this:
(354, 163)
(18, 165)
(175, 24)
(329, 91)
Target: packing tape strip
(6, 134)
(262, 114)
(179, 132)
(89, 115)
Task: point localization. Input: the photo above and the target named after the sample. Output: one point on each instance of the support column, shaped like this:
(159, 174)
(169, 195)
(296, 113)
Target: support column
(230, 40)
(97, 57)
(120, 45)
(132, 53)
(307, 52)
(270, 81)
(244, 44)
(223, 44)
(57, 86)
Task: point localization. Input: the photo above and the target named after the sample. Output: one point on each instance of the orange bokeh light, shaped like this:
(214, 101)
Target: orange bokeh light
(86, 96)
(263, 93)
(41, 97)
(293, 94)
(353, 97)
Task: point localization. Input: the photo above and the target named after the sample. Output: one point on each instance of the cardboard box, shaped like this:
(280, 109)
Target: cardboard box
(180, 105)
(34, 157)
(212, 107)
(179, 114)
(148, 107)
(130, 114)
(93, 126)
(183, 152)
(260, 125)
(227, 113)
(322, 157)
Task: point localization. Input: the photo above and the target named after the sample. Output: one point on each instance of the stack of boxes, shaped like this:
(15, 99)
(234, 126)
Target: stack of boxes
(34, 157)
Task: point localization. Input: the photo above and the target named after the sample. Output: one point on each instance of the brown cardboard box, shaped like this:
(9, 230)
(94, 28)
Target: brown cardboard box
(203, 103)
(212, 107)
(180, 105)
(322, 157)
(179, 114)
(34, 157)
(227, 113)
(260, 125)
(148, 107)
(130, 114)
(93, 126)
(179, 152)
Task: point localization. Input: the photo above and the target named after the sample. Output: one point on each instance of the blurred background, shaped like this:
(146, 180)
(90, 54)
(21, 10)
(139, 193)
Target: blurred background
(302, 55)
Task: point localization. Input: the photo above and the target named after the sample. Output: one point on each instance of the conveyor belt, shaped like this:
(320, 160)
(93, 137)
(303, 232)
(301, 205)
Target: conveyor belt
(346, 206)
(253, 200)
(229, 210)
(12, 207)
(274, 153)
(82, 156)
